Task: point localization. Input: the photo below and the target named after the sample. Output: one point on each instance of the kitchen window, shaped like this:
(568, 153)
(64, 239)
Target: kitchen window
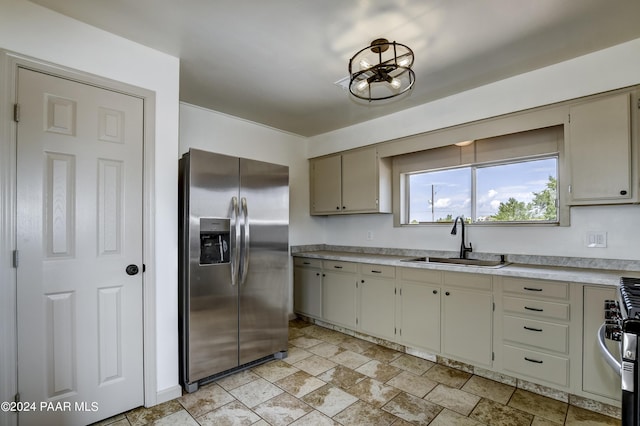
(522, 191)
(511, 179)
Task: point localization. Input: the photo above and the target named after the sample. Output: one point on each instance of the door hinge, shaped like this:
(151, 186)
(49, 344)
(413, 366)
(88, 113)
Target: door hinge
(16, 398)
(569, 118)
(395, 291)
(395, 331)
(493, 356)
(16, 112)
(356, 320)
(144, 268)
(638, 103)
(494, 306)
(569, 189)
(16, 258)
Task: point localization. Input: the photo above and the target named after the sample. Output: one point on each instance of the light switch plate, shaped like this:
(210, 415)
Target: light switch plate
(596, 239)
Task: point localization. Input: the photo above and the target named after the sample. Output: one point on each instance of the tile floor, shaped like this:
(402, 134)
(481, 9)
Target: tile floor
(330, 378)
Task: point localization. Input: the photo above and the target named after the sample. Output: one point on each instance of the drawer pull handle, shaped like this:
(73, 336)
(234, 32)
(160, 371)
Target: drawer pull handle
(306, 263)
(532, 289)
(533, 309)
(532, 329)
(537, 361)
(337, 267)
(376, 272)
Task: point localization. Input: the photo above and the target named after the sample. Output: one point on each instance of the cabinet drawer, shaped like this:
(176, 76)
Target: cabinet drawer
(545, 335)
(536, 308)
(536, 288)
(378, 270)
(537, 365)
(421, 275)
(474, 281)
(336, 265)
(309, 263)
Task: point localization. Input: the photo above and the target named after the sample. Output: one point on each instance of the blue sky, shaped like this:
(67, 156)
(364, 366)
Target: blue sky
(494, 185)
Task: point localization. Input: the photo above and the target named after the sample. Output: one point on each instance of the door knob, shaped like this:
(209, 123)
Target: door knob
(132, 269)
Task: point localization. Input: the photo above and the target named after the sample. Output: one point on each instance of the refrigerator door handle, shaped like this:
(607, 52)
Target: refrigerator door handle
(235, 244)
(247, 238)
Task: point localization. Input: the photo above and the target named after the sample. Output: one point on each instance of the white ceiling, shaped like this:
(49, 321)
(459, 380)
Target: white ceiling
(275, 61)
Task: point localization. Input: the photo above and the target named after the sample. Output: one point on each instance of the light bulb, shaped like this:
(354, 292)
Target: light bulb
(361, 85)
(405, 61)
(395, 83)
(364, 64)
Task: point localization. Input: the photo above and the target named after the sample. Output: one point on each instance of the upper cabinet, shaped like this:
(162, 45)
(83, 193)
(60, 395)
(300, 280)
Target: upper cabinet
(601, 150)
(351, 182)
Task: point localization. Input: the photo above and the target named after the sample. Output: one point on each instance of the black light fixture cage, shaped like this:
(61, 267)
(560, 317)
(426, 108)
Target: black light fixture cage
(381, 71)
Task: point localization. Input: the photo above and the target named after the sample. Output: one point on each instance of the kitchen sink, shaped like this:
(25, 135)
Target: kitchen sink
(457, 261)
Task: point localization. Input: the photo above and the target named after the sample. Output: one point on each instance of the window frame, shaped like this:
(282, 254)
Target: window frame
(405, 191)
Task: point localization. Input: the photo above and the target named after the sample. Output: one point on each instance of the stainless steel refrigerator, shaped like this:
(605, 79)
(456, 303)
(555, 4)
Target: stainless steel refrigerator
(233, 269)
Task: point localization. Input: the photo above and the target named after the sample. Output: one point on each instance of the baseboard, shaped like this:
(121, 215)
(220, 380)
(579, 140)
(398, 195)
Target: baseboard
(168, 394)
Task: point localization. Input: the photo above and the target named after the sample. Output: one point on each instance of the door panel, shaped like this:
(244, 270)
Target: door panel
(264, 291)
(79, 203)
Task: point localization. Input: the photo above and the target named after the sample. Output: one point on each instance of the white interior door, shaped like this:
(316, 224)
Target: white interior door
(79, 225)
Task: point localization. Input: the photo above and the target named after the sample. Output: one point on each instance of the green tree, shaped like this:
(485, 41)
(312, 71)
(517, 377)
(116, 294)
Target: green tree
(512, 210)
(543, 205)
(449, 218)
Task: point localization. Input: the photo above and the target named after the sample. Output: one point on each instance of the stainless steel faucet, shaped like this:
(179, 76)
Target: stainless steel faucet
(463, 248)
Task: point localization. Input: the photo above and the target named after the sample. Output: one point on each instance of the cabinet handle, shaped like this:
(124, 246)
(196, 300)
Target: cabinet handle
(317, 274)
(447, 293)
(306, 263)
(537, 361)
(323, 275)
(337, 267)
(362, 281)
(376, 272)
(435, 291)
(532, 289)
(533, 309)
(344, 207)
(337, 207)
(532, 329)
(623, 192)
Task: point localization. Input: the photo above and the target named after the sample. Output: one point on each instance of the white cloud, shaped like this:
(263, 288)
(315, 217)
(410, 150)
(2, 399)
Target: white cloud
(495, 204)
(492, 193)
(443, 202)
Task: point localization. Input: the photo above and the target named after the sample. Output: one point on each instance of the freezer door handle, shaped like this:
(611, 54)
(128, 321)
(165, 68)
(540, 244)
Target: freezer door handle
(246, 240)
(235, 243)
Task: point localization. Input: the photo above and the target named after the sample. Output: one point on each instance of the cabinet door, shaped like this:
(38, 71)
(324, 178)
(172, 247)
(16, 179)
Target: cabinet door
(326, 181)
(420, 315)
(377, 307)
(339, 298)
(360, 181)
(307, 291)
(597, 377)
(466, 325)
(600, 150)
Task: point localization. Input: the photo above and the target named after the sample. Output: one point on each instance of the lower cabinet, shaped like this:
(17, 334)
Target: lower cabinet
(339, 293)
(536, 327)
(307, 287)
(467, 317)
(376, 301)
(545, 331)
(420, 292)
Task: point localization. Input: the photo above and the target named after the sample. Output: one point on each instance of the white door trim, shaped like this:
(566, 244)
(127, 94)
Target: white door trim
(9, 64)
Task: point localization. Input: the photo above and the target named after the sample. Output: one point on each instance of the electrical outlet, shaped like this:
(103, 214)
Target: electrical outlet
(369, 235)
(596, 239)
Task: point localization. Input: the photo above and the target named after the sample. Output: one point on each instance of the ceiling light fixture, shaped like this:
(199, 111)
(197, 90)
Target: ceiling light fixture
(383, 71)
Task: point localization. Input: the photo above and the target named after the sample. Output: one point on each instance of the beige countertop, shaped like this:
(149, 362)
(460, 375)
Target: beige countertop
(557, 273)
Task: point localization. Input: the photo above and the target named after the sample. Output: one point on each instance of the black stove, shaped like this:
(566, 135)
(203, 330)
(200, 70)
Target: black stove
(622, 324)
(630, 297)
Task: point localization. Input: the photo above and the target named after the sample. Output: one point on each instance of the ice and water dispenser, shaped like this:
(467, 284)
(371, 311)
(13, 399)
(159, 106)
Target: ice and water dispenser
(214, 241)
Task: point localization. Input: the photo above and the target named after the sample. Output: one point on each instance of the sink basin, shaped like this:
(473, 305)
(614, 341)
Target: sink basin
(457, 261)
